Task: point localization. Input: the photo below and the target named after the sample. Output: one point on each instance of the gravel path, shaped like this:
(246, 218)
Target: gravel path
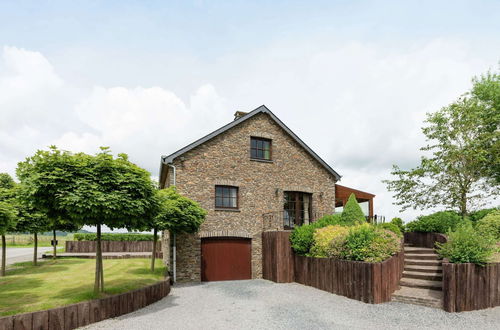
(260, 304)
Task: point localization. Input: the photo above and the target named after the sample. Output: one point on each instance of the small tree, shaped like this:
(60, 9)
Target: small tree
(31, 221)
(352, 212)
(461, 167)
(177, 214)
(90, 190)
(8, 212)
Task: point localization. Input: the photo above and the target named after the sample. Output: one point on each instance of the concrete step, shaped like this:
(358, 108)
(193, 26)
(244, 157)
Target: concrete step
(418, 250)
(423, 256)
(418, 296)
(423, 275)
(422, 262)
(423, 284)
(424, 269)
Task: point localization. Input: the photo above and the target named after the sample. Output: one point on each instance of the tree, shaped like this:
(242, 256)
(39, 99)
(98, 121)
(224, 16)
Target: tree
(177, 214)
(352, 212)
(455, 173)
(90, 190)
(8, 212)
(31, 221)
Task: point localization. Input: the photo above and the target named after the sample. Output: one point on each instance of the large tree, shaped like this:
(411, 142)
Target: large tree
(177, 214)
(90, 190)
(456, 169)
(8, 212)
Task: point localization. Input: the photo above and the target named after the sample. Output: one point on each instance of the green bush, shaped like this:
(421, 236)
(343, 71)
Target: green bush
(114, 237)
(329, 241)
(352, 213)
(479, 214)
(490, 225)
(391, 227)
(329, 220)
(439, 222)
(369, 243)
(466, 245)
(302, 238)
(398, 222)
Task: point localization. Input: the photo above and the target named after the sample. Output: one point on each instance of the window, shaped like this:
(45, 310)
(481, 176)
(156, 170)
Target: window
(260, 148)
(226, 197)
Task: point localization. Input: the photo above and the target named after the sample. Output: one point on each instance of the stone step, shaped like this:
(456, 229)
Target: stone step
(423, 275)
(423, 284)
(421, 262)
(424, 269)
(426, 256)
(418, 250)
(417, 296)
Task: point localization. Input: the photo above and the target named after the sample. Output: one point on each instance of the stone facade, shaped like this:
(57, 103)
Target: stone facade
(225, 160)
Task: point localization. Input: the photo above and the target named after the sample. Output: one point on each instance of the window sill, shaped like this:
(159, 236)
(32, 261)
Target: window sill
(261, 160)
(227, 210)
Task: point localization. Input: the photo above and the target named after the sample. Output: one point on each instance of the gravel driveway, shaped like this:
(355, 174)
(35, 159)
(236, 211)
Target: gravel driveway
(260, 304)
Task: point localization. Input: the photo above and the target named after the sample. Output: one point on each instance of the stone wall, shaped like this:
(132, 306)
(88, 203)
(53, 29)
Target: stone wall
(225, 160)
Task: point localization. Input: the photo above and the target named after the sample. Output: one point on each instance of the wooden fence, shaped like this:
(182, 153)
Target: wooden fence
(84, 313)
(425, 240)
(112, 246)
(364, 281)
(468, 287)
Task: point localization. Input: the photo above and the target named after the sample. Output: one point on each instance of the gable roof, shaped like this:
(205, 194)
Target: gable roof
(262, 109)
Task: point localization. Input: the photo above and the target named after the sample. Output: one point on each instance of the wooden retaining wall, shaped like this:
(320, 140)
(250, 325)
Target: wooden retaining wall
(112, 246)
(364, 281)
(87, 312)
(468, 287)
(425, 240)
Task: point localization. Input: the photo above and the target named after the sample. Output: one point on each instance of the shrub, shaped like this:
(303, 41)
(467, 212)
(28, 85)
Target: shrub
(352, 213)
(467, 245)
(391, 227)
(479, 214)
(369, 243)
(114, 237)
(490, 225)
(398, 222)
(329, 220)
(439, 222)
(328, 241)
(302, 238)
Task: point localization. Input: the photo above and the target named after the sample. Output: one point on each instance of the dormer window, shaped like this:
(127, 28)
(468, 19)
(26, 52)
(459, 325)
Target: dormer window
(260, 148)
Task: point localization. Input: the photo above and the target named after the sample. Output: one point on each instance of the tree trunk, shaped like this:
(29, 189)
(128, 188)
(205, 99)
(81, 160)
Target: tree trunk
(4, 255)
(153, 256)
(35, 252)
(463, 205)
(99, 273)
(54, 256)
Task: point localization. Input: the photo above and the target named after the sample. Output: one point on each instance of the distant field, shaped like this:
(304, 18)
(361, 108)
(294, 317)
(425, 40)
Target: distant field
(21, 240)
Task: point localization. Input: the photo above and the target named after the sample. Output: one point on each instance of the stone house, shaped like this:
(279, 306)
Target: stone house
(251, 175)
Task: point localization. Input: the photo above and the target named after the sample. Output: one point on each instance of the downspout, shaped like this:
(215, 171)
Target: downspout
(174, 250)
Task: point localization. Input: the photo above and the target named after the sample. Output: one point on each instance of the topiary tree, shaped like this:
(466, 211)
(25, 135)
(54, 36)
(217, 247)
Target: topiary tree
(352, 213)
(177, 214)
(8, 212)
(90, 190)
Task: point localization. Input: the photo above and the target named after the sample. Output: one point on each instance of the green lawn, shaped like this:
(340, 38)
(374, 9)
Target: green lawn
(23, 240)
(66, 281)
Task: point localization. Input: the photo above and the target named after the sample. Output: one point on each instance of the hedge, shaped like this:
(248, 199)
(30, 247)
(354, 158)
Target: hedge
(114, 237)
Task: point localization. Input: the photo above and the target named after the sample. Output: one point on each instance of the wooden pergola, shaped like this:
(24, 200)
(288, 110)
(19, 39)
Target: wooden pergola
(342, 194)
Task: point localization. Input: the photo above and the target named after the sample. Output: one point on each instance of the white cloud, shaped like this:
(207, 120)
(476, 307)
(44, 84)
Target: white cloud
(360, 106)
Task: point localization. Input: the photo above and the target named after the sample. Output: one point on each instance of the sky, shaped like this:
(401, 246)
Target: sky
(353, 79)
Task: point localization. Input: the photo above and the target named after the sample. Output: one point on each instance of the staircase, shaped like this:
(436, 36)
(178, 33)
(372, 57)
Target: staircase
(421, 283)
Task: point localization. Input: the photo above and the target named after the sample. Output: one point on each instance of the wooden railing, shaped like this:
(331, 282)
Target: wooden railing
(375, 219)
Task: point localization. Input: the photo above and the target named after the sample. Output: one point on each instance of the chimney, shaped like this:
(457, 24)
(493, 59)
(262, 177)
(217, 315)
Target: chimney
(239, 114)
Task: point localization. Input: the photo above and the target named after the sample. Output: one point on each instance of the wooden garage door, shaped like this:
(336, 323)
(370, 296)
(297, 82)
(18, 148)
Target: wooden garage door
(224, 259)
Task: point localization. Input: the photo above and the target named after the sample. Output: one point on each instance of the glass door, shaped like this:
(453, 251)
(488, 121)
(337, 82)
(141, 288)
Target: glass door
(297, 209)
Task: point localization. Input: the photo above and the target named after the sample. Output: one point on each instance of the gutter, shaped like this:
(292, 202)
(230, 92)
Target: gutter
(174, 246)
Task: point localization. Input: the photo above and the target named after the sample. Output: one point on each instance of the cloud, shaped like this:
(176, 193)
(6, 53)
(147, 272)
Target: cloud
(360, 106)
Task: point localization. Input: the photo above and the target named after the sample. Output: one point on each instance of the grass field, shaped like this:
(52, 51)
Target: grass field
(66, 281)
(22, 240)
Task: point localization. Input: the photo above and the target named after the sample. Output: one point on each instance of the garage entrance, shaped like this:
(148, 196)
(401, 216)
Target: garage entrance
(224, 259)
